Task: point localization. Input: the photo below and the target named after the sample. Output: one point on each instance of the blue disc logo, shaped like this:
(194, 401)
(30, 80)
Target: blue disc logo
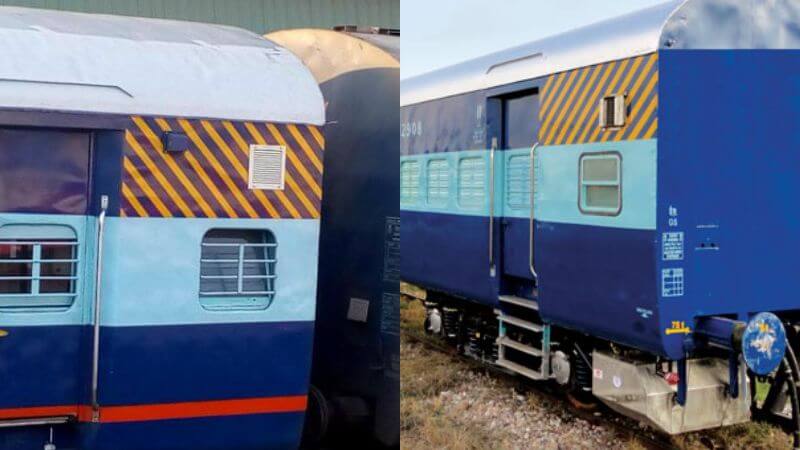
(764, 343)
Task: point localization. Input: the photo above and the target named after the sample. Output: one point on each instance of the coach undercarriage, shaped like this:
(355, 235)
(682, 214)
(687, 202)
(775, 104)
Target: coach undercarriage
(634, 383)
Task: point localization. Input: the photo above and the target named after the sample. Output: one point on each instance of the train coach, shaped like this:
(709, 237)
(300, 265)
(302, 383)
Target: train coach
(356, 360)
(611, 209)
(160, 187)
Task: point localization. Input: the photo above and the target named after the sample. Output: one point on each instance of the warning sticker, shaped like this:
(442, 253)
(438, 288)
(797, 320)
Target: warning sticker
(672, 282)
(672, 246)
(391, 257)
(390, 320)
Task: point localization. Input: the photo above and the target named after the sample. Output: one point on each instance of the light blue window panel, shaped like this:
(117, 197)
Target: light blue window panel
(601, 184)
(38, 266)
(238, 269)
(409, 182)
(471, 183)
(438, 182)
(518, 182)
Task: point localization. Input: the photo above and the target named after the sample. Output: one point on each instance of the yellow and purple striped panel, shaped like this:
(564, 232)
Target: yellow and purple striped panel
(211, 178)
(569, 110)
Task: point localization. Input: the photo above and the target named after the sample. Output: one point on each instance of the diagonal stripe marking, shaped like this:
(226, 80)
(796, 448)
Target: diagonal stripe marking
(550, 94)
(276, 134)
(591, 106)
(142, 183)
(652, 131)
(644, 119)
(306, 148)
(245, 149)
(636, 99)
(258, 137)
(624, 88)
(226, 150)
(202, 175)
(317, 136)
(613, 88)
(134, 202)
(156, 172)
(568, 105)
(156, 143)
(558, 103)
(646, 72)
(579, 105)
(215, 164)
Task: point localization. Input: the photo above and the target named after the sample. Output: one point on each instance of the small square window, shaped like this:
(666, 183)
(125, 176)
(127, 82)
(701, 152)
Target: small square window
(613, 111)
(600, 190)
(238, 269)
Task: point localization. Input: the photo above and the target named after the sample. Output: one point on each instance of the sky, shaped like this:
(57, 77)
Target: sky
(438, 33)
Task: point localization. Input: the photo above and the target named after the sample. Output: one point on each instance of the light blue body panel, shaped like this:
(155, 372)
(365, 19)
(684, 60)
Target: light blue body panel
(79, 312)
(557, 184)
(153, 264)
(149, 260)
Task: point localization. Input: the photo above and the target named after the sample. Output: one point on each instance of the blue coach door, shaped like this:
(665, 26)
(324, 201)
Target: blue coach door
(517, 128)
(44, 191)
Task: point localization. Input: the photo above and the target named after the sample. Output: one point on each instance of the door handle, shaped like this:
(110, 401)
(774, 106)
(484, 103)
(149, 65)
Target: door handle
(98, 279)
(492, 270)
(533, 190)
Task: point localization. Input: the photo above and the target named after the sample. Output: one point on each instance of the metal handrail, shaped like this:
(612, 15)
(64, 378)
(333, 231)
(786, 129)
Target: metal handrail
(98, 279)
(533, 189)
(491, 207)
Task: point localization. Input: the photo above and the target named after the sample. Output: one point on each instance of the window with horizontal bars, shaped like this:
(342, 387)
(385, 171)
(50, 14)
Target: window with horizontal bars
(238, 268)
(38, 273)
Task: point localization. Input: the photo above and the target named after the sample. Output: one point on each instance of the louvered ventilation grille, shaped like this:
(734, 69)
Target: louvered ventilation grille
(267, 166)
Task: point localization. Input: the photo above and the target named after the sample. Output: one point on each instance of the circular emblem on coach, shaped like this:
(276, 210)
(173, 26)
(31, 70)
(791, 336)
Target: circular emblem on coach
(764, 343)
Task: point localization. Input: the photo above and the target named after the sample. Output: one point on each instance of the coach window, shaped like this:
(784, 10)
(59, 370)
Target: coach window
(38, 266)
(238, 269)
(438, 182)
(518, 182)
(409, 182)
(600, 190)
(471, 183)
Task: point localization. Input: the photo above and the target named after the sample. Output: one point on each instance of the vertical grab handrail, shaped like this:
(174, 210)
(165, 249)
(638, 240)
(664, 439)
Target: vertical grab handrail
(533, 190)
(98, 278)
(491, 207)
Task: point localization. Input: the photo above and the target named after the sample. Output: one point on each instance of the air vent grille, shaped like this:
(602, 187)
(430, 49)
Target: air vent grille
(267, 167)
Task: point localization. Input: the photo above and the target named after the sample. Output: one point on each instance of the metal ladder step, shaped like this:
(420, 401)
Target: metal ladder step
(519, 301)
(520, 323)
(506, 341)
(522, 370)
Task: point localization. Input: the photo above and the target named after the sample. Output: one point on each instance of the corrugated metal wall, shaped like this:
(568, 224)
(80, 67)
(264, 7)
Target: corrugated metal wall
(259, 16)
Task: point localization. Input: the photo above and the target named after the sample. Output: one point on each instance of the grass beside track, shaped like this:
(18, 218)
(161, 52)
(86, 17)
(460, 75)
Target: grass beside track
(427, 422)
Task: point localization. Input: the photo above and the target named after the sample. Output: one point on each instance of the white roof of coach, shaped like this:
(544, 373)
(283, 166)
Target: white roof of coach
(679, 24)
(122, 65)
